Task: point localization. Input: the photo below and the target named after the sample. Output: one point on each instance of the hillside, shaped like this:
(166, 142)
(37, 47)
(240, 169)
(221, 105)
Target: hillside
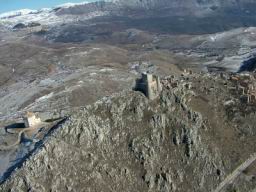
(187, 139)
(76, 66)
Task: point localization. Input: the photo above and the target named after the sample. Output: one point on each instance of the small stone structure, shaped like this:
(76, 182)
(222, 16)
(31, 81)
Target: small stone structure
(187, 72)
(31, 119)
(150, 85)
(246, 86)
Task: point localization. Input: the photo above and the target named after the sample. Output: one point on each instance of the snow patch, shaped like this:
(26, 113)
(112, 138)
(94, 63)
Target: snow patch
(106, 70)
(84, 53)
(68, 5)
(44, 97)
(213, 38)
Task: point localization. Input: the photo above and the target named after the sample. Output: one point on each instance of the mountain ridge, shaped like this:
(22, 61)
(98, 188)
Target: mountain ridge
(184, 7)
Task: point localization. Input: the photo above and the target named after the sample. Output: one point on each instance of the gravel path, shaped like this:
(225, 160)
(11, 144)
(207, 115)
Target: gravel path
(230, 178)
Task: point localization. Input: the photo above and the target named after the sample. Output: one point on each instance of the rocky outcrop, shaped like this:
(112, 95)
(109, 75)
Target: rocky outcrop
(124, 143)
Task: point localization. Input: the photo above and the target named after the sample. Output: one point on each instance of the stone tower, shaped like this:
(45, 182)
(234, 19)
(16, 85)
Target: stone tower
(31, 119)
(150, 85)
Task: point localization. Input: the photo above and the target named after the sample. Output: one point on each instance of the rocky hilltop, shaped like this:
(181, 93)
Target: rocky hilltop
(196, 134)
(188, 139)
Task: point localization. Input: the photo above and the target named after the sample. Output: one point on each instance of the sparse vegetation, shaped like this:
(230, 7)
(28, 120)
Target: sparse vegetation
(83, 61)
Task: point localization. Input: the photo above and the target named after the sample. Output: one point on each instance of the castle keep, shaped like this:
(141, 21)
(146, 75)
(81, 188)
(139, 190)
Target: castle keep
(150, 85)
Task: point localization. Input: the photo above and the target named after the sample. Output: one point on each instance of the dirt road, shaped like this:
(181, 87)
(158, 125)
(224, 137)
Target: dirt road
(230, 178)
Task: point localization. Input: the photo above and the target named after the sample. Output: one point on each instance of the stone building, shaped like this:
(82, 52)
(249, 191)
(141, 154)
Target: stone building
(150, 85)
(246, 87)
(31, 119)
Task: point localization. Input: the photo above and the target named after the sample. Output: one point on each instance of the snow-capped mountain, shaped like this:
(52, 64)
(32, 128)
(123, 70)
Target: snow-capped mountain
(23, 12)
(71, 12)
(17, 13)
(45, 16)
(48, 16)
(68, 5)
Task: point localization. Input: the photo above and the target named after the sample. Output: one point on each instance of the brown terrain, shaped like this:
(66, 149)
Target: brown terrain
(99, 133)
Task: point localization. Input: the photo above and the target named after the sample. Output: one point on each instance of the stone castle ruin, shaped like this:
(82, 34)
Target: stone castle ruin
(150, 85)
(31, 119)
